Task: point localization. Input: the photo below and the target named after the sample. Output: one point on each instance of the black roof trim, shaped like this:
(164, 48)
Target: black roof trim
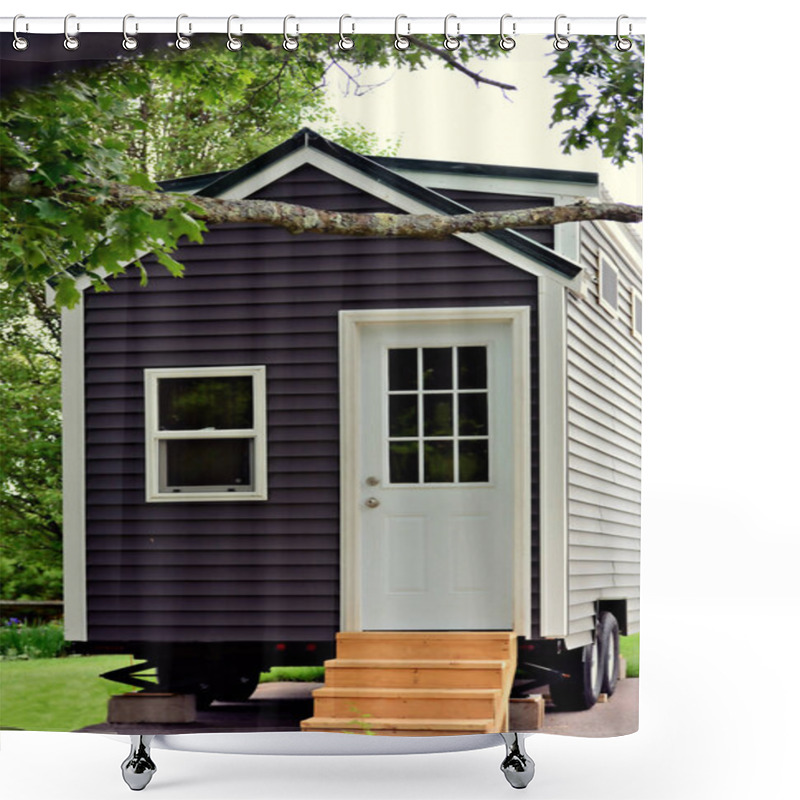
(191, 183)
(490, 170)
(308, 138)
(236, 176)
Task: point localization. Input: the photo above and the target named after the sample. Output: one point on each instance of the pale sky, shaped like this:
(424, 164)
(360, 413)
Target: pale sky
(442, 114)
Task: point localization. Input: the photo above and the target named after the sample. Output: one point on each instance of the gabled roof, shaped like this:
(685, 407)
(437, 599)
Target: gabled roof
(379, 171)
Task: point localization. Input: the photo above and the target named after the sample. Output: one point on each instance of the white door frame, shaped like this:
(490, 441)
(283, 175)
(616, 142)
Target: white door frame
(351, 323)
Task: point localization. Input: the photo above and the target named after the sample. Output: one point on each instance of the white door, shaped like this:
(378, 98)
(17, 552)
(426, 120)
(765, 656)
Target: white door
(437, 485)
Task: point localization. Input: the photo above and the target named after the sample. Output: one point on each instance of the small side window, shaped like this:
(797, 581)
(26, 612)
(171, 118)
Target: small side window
(206, 434)
(608, 285)
(636, 314)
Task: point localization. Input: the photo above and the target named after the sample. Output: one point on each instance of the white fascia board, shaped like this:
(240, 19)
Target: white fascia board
(271, 173)
(496, 184)
(359, 180)
(74, 471)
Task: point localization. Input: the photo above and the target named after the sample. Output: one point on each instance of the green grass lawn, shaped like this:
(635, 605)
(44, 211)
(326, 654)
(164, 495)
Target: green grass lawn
(293, 674)
(66, 694)
(57, 694)
(629, 647)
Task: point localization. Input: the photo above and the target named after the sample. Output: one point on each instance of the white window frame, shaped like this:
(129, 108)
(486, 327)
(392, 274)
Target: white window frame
(604, 261)
(635, 294)
(258, 433)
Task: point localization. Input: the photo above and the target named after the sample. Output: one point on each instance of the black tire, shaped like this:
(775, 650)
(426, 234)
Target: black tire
(236, 687)
(581, 689)
(183, 677)
(609, 652)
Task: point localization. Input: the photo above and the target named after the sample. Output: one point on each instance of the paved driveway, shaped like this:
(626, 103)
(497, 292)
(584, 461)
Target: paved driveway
(617, 717)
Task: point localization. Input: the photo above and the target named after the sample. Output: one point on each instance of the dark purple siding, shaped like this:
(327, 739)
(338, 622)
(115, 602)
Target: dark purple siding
(483, 201)
(250, 571)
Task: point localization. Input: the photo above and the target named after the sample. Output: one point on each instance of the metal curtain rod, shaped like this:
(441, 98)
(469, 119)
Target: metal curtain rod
(300, 24)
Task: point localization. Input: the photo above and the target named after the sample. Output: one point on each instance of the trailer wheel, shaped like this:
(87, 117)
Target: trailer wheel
(609, 652)
(236, 687)
(183, 677)
(582, 688)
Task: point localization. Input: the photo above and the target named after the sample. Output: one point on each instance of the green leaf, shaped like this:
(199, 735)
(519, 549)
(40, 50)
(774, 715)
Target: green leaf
(67, 294)
(176, 269)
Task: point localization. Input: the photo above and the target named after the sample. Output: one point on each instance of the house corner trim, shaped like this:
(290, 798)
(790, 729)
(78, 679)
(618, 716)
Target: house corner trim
(74, 465)
(554, 530)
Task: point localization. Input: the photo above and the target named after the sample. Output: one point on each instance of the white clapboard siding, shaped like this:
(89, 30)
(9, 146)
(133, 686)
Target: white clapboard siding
(604, 389)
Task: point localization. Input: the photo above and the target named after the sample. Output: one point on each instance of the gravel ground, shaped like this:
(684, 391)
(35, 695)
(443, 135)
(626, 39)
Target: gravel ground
(617, 717)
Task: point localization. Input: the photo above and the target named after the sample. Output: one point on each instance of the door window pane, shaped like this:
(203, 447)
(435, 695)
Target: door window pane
(473, 414)
(471, 367)
(403, 369)
(437, 368)
(438, 414)
(473, 461)
(438, 462)
(404, 462)
(403, 415)
(193, 404)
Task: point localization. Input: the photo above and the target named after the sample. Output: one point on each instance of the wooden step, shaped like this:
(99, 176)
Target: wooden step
(449, 645)
(417, 673)
(387, 726)
(359, 703)
(417, 683)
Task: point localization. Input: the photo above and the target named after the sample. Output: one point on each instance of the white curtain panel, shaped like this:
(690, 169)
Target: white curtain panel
(321, 383)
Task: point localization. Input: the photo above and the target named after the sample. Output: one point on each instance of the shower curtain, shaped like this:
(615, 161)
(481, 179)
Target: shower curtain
(348, 330)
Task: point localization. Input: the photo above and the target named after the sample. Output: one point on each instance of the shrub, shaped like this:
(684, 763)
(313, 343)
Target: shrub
(19, 640)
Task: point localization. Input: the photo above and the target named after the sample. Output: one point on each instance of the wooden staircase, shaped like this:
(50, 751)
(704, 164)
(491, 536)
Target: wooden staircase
(402, 683)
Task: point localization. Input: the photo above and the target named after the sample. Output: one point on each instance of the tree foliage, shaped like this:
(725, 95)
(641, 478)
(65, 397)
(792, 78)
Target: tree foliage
(30, 445)
(600, 97)
(137, 120)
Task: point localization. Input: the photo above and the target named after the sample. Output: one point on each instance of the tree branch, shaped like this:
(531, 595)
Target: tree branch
(456, 64)
(301, 219)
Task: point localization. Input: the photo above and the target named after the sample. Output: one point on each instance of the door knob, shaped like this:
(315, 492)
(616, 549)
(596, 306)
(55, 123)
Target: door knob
(372, 502)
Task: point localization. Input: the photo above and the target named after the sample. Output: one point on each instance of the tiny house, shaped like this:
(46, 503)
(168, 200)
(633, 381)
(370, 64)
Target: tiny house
(311, 436)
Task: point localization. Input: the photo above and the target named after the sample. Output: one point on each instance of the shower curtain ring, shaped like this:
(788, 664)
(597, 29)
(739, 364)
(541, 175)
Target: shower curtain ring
(401, 42)
(290, 42)
(623, 45)
(181, 42)
(560, 43)
(20, 43)
(70, 42)
(450, 42)
(506, 42)
(233, 43)
(345, 42)
(129, 42)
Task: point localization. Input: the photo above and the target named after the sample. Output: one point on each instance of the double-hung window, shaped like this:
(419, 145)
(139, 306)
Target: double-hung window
(206, 433)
